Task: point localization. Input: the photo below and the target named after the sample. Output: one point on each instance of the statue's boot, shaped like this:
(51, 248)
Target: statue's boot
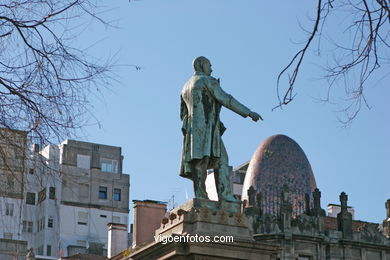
(223, 184)
(221, 176)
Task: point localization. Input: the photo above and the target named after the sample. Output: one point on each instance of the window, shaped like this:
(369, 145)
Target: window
(48, 250)
(102, 192)
(31, 171)
(7, 235)
(24, 230)
(30, 198)
(103, 216)
(117, 194)
(52, 193)
(42, 224)
(40, 250)
(50, 222)
(27, 226)
(83, 161)
(9, 209)
(42, 195)
(82, 243)
(109, 165)
(82, 218)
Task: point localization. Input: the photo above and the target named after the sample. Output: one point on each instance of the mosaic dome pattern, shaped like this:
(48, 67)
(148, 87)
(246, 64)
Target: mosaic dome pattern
(279, 161)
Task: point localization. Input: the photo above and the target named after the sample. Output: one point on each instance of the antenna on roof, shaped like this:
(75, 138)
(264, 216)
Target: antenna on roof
(171, 202)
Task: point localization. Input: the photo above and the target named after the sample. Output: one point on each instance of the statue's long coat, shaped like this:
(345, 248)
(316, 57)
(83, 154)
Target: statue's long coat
(201, 101)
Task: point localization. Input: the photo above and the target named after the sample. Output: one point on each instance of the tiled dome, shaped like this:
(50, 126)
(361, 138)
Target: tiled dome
(279, 161)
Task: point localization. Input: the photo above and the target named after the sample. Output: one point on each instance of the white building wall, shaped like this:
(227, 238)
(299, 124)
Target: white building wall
(65, 230)
(211, 189)
(333, 210)
(237, 189)
(95, 230)
(10, 223)
(43, 178)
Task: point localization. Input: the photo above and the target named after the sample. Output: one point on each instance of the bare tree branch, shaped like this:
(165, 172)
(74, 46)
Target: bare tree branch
(364, 55)
(44, 81)
(44, 84)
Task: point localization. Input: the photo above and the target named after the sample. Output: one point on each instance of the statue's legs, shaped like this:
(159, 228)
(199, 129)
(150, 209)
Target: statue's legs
(221, 176)
(199, 174)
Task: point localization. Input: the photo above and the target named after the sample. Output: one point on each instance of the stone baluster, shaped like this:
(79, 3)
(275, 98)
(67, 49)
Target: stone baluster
(344, 218)
(317, 210)
(386, 222)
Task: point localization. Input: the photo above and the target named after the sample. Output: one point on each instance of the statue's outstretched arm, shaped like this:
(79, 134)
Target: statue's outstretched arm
(229, 101)
(226, 99)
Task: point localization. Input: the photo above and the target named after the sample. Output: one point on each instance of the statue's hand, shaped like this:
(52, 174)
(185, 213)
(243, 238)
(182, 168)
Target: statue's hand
(255, 117)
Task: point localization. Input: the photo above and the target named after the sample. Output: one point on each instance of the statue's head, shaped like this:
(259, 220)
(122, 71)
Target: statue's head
(202, 64)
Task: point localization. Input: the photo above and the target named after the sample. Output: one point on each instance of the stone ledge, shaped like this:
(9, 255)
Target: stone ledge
(238, 250)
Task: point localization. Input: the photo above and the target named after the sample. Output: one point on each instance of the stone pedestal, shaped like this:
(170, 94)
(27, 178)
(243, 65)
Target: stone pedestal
(204, 218)
(207, 218)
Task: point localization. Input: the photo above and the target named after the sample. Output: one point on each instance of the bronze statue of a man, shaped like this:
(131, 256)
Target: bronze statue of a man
(201, 102)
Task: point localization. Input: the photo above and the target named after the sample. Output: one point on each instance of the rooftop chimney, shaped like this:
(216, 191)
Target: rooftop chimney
(147, 218)
(117, 238)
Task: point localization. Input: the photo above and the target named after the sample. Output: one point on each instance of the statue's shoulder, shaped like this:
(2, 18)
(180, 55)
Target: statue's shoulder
(202, 79)
(214, 82)
(207, 78)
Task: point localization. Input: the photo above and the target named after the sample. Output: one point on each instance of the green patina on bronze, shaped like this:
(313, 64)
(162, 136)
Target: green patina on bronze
(201, 100)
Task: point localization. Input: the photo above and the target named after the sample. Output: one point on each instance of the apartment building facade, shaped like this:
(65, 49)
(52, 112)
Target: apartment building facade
(94, 192)
(60, 198)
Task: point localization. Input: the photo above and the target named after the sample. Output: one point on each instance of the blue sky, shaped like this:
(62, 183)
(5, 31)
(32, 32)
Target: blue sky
(248, 43)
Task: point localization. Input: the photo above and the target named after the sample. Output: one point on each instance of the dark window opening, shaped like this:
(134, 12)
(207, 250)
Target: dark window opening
(48, 250)
(50, 222)
(102, 192)
(117, 194)
(30, 198)
(52, 193)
